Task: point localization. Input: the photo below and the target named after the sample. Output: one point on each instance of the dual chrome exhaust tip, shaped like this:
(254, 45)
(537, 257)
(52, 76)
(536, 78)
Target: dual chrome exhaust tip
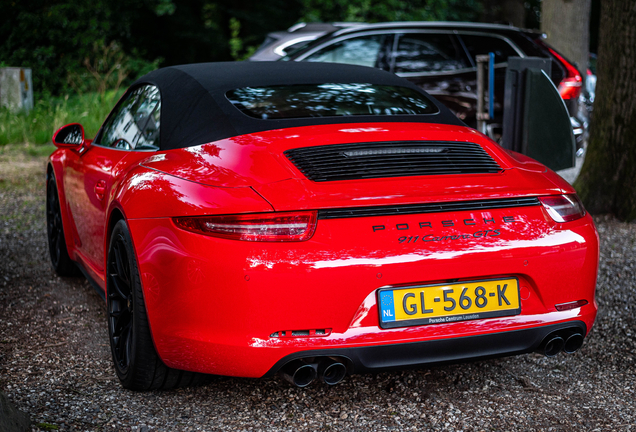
(302, 372)
(568, 340)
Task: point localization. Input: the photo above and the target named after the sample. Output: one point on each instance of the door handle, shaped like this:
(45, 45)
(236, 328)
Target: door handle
(100, 189)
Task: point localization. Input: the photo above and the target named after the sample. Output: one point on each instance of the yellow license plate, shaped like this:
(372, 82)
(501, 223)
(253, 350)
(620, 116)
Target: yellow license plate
(438, 304)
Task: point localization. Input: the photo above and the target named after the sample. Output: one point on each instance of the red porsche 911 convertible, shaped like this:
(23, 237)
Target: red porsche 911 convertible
(312, 220)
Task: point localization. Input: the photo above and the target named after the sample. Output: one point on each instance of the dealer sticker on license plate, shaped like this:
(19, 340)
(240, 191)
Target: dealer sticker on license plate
(437, 304)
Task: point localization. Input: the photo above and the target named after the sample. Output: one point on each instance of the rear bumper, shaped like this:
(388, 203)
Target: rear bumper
(435, 352)
(214, 304)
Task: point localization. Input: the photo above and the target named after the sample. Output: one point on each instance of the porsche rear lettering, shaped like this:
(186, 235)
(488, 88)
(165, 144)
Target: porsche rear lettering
(445, 223)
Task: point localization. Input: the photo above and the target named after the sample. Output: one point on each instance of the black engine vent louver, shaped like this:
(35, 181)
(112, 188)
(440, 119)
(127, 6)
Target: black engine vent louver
(391, 159)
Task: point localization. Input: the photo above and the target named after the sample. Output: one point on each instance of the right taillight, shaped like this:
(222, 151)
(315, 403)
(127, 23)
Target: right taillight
(563, 208)
(570, 87)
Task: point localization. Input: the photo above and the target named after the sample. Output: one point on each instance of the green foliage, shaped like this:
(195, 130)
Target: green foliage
(390, 10)
(47, 426)
(65, 41)
(51, 113)
(54, 37)
(236, 42)
(107, 68)
(165, 7)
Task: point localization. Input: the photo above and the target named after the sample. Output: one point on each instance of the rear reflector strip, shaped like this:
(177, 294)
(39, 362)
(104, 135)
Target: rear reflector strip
(571, 305)
(340, 213)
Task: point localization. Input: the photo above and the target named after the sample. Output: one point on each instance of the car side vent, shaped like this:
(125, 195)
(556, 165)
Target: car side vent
(391, 159)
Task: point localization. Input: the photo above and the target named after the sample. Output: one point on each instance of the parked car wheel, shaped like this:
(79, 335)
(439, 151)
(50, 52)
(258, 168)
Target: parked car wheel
(136, 361)
(60, 260)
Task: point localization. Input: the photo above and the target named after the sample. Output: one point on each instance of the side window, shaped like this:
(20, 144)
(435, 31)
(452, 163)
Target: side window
(478, 45)
(428, 52)
(134, 124)
(361, 51)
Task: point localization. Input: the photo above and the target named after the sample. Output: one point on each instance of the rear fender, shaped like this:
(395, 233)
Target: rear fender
(147, 193)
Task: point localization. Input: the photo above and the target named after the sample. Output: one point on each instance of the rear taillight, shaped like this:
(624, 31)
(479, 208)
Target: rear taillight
(268, 227)
(570, 86)
(563, 208)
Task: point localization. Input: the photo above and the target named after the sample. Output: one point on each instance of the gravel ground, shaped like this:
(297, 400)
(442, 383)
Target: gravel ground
(55, 362)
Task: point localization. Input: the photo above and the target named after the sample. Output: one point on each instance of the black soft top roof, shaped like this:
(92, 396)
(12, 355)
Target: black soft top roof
(195, 110)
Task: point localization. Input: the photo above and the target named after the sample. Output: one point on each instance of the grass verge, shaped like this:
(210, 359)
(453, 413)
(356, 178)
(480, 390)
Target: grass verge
(51, 113)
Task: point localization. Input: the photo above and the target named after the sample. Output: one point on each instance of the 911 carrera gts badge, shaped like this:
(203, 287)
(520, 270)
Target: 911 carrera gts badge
(434, 238)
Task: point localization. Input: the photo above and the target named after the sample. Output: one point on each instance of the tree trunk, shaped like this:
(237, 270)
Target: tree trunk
(514, 12)
(504, 11)
(607, 183)
(567, 26)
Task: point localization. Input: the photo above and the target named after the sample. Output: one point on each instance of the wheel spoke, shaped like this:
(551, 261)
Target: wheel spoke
(118, 292)
(120, 317)
(119, 262)
(58, 247)
(54, 235)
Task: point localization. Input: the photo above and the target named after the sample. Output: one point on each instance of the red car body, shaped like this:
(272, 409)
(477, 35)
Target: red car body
(246, 308)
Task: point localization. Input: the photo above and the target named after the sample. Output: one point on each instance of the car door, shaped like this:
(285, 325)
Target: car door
(131, 130)
(435, 61)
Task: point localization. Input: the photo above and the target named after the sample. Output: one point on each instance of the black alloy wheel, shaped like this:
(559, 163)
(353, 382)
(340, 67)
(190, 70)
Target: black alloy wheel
(120, 303)
(60, 260)
(137, 363)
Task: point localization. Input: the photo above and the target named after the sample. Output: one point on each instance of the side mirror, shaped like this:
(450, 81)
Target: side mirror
(69, 136)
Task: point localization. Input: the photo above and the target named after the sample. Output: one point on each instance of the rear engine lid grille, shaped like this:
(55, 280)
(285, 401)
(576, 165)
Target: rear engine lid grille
(391, 159)
(406, 209)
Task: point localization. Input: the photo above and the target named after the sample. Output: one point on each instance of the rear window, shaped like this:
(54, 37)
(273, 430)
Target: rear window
(329, 100)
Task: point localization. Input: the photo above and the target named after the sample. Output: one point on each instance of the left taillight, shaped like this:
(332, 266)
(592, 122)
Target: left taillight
(267, 227)
(563, 208)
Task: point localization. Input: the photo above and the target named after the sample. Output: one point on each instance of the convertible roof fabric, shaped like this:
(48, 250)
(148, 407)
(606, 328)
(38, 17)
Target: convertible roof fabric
(195, 110)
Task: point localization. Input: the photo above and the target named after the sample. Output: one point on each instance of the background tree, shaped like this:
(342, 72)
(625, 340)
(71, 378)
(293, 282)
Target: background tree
(506, 12)
(390, 10)
(56, 37)
(567, 26)
(607, 183)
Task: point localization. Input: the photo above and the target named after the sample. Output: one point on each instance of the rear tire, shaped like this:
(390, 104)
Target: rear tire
(60, 260)
(137, 363)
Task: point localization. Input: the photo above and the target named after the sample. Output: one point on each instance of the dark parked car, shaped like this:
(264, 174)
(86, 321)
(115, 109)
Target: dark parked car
(440, 58)
(278, 44)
